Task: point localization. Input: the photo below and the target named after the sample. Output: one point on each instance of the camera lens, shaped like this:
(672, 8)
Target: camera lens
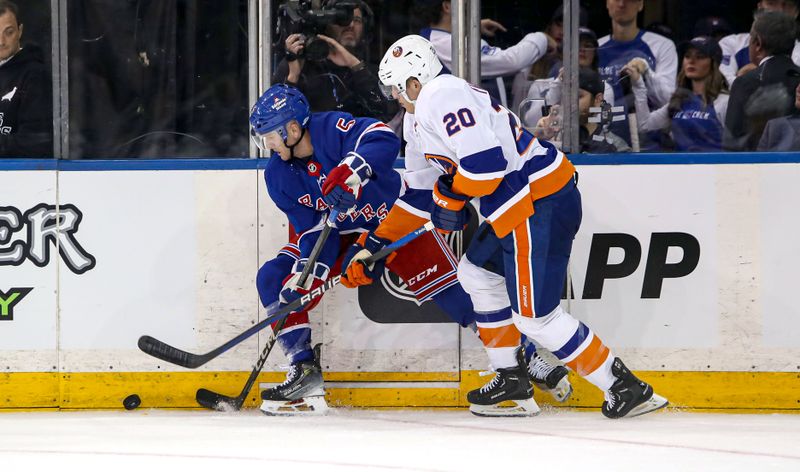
(316, 49)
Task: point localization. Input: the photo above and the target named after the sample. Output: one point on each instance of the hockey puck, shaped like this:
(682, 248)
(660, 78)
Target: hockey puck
(132, 402)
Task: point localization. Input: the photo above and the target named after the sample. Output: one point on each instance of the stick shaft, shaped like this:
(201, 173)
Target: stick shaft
(170, 354)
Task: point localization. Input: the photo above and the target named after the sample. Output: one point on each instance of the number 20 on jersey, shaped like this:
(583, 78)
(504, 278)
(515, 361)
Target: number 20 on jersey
(453, 122)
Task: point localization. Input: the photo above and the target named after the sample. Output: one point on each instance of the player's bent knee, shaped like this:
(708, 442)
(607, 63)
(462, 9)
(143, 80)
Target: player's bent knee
(552, 331)
(270, 277)
(487, 289)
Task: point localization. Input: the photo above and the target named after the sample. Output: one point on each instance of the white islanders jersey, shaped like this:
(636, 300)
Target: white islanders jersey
(462, 131)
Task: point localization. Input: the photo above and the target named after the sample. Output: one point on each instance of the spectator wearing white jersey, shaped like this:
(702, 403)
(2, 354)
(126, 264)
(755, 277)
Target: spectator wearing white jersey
(696, 111)
(735, 47)
(653, 56)
(547, 67)
(550, 89)
(495, 62)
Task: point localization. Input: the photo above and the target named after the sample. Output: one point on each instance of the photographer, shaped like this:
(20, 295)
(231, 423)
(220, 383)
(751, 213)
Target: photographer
(342, 80)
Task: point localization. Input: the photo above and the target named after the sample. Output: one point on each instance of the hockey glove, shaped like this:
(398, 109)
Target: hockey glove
(357, 273)
(343, 185)
(291, 291)
(449, 212)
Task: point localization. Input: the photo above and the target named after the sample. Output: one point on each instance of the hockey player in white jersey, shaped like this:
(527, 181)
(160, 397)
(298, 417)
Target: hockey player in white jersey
(496, 329)
(528, 195)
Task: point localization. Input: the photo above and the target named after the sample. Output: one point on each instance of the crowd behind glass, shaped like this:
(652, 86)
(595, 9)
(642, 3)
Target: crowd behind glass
(160, 79)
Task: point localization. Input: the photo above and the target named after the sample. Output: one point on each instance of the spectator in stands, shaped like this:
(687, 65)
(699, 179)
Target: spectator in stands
(495, 62)
(653, 56)
(26, 116)
(714, 27)
(548, 66)
(342, 81)
(735, 47)
(696, 111)
(545, 70)
(768, 91)
(550, 89)
(783, 134)
(594, 137)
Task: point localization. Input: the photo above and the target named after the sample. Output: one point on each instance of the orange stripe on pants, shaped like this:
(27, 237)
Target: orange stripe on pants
(591, 358)
(522, 257)
(504, 336)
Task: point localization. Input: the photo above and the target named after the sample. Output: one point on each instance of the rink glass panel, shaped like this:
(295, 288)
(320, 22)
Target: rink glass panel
(157, 79)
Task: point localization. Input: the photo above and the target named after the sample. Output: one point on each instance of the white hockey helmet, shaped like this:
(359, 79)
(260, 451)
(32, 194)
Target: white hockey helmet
(410, 56)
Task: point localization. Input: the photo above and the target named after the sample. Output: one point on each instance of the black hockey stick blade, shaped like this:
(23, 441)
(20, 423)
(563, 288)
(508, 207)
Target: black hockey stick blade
(217, 401)
(173, 355)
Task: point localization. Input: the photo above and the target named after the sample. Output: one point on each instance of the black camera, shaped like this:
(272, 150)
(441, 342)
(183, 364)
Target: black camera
(312, 17)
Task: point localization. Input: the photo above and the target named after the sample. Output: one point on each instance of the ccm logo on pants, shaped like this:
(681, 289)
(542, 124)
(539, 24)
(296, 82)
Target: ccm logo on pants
(657, 268)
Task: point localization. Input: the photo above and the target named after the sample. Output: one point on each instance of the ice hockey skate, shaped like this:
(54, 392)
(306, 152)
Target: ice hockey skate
(550, 378)
(510, 385)
(302, 392)
(629, 396)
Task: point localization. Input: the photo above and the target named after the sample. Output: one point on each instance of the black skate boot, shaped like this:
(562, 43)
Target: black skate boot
(550, 378)
(629, 396)
(511, 384)
(300, 394)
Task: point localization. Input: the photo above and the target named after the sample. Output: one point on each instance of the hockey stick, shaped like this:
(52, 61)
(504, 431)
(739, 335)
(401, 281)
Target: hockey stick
(220, 402)
(165, 352)
(630, 104)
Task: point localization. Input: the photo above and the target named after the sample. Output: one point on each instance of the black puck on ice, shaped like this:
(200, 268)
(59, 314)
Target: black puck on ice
(132, 402)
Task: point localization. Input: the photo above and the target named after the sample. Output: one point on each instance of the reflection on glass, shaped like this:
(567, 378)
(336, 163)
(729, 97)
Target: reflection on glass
(158, 79)
(783, 134)
(541, 119)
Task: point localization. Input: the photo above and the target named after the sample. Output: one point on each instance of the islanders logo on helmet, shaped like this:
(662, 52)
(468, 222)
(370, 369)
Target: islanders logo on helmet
(410, 56)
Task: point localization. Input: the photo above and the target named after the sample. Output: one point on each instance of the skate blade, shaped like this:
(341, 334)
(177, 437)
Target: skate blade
(521, 408)
(308, 406)
(561, 392)
(656, 402)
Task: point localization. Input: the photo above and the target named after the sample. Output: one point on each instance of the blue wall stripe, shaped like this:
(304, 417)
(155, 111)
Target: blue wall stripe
(7, 164)
(28, 164)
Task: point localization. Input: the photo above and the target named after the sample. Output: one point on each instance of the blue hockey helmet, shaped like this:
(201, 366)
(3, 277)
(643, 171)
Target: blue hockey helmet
(276, 108)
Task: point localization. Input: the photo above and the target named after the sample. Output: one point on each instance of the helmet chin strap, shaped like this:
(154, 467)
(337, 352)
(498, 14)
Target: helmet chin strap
(406, 98)
(291, 148)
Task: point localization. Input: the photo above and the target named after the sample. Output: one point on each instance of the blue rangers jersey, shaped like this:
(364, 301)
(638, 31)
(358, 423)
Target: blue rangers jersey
(294, 185)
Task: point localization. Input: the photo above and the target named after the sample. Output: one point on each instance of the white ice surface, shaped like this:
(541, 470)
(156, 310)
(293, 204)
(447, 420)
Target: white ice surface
(556, 440)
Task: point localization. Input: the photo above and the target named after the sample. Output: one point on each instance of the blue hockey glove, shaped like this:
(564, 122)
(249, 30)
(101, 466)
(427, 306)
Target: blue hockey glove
(449, 212)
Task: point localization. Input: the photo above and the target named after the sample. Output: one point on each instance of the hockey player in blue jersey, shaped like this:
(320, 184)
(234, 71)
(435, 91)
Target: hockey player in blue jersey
(306, 151)
(333, 160)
